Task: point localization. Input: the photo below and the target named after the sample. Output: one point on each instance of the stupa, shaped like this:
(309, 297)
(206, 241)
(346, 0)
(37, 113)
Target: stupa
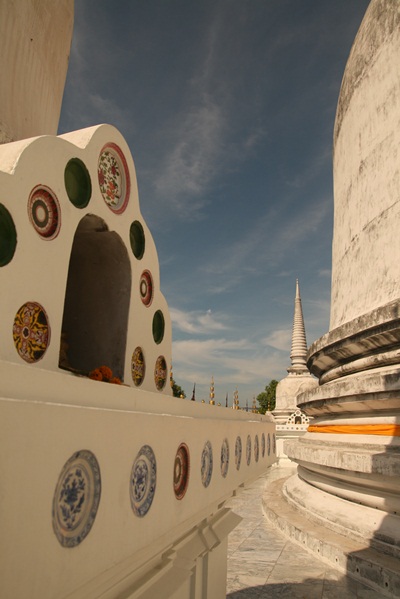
(349, 460)
(291, 422)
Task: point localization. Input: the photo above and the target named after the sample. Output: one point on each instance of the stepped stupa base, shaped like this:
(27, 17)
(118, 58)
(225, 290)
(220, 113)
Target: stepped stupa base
(354, 557)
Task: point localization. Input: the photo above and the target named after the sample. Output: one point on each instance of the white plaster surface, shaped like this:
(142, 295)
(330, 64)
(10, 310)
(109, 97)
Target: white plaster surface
(39, 269)
(47, 416)
(365, 264)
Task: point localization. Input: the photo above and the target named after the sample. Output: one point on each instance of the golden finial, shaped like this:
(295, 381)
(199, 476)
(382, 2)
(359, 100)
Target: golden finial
(236, 400)
(212, 401)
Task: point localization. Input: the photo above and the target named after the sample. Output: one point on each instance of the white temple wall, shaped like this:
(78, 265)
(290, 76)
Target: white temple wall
(47, 417)
(38, 270)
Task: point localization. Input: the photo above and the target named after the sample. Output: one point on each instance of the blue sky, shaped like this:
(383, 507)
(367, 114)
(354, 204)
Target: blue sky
(228, 108)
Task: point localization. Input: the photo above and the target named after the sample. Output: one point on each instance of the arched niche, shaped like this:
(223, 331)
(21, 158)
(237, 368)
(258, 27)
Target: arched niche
(96, 308)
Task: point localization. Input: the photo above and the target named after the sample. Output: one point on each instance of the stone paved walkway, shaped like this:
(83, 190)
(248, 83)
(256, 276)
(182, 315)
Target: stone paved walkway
(262, 563)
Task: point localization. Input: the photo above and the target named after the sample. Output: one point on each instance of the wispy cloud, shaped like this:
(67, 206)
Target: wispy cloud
(267, 244)
(280, 339)
(192, 162)
(196, 322)
(236, 362)
(325, 272)
(207, 137)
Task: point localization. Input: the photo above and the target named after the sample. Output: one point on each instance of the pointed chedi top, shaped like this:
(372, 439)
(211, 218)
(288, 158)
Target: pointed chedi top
(299, 378)
(298, 355)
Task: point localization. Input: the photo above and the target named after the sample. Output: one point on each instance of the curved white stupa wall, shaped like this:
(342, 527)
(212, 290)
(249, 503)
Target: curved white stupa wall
(35, 46)
(365, 264)
(347, 478)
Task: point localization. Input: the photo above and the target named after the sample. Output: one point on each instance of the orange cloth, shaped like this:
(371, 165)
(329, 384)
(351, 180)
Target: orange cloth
(389, 430)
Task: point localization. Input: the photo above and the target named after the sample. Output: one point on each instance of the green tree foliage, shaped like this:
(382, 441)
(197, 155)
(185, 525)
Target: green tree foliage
(177, 391)
(267, 398)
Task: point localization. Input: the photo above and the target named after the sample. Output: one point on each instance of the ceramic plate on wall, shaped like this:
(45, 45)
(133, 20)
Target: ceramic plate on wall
(256, 448)
(206, 464)
(146, 287)
(114, 179)
(224, 457)
(248, 450)
(76, 498)
(181, 471)
(238, 452)
(31, 332)
(143, 481)
(138, 366)
(160, 373)
(44, 212)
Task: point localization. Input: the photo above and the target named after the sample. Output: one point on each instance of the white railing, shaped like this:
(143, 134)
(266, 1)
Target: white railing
(102, 484)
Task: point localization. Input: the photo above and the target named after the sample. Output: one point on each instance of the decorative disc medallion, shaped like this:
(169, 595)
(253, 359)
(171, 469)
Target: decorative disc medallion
(224, 457)
(143, 481)
(248, 450)
(269, 444)
(273, 443)
(238, 452)
(8, 236)
(77, 183)
(138, 366)
(31, 332)
(44, 212)
(76, 498)
(181, 471)
(137, 239)
(206, 464)
(114, 179)
(262, 445)
(146, 288)
(158, 326)
(256, 448)
(160, 373)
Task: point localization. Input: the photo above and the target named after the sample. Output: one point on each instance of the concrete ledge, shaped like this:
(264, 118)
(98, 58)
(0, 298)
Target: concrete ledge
(356, 559)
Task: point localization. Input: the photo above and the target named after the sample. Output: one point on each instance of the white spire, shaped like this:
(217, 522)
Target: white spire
(299, 344)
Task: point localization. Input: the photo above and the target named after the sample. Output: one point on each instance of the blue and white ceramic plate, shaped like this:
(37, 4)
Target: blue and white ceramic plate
(238, 452)
(256, 448)
(143, 481)
(269, 444)
(262, 445)
(76, 498)
(273, 443)
(206, 464)
(224, 457)
(248, 450)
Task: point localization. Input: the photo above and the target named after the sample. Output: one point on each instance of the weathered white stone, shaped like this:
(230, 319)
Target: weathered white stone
(365, 265)
(349, 461)
(34, 52)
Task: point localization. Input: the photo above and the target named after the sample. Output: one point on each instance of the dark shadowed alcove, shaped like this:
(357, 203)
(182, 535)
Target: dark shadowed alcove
(96, 308)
